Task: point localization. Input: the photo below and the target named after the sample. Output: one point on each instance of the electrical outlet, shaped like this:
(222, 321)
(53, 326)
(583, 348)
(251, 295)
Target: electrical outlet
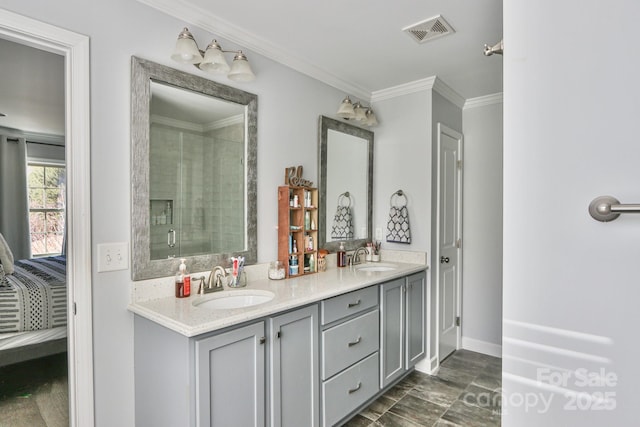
(113, 256)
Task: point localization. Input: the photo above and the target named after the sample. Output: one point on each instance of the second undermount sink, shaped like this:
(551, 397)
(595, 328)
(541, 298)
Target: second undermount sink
(376, 267)
(227, 300)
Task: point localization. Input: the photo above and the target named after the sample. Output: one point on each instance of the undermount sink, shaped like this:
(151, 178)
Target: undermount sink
(376, 267)
(227, 300)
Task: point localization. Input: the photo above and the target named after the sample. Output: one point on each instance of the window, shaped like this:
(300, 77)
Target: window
(46, 187)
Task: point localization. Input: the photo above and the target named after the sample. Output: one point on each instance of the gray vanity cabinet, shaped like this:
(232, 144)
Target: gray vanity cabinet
(402, 326)
(230, 378)
(293, 369)
(315, 365)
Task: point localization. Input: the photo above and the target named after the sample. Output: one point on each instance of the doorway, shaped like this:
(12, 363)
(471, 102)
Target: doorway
(449, 238)
(75, 50)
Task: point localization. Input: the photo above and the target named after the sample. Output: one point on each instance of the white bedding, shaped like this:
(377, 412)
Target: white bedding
(20, 339)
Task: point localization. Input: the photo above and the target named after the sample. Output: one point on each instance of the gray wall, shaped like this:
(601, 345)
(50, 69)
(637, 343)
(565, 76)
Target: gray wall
(482, 226)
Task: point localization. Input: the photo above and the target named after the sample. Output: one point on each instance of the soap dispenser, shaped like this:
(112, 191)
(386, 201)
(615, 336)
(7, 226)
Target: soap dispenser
(342, 256)
(183, 280)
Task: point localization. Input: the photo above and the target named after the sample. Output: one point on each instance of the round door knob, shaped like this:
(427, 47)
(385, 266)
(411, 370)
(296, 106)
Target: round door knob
(444, 260)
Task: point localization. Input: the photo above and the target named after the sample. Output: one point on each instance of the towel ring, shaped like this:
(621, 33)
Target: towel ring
(344, 195)
(398, 193)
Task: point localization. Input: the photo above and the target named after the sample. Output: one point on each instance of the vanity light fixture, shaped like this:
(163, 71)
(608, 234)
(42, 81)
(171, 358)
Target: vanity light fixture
(212, 60)
(356, 111)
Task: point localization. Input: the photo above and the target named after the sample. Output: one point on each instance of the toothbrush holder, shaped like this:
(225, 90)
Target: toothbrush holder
(239, 281)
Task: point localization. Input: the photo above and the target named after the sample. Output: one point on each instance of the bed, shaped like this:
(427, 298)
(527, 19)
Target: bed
(33, 310)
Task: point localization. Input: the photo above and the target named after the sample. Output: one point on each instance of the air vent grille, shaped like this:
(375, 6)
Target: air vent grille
(429, 29)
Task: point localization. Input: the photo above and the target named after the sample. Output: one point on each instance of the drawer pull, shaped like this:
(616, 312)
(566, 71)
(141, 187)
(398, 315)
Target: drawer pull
(353, 390)
(352, 343)
(353, 304)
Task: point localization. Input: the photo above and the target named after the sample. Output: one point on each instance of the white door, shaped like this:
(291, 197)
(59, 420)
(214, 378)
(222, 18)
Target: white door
(449, 232)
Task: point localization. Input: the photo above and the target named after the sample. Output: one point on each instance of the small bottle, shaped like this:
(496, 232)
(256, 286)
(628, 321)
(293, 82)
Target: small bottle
(310, 247)
(295, 247)
(313, 224)
(183, 281)
(307, 220)
(312, 264)
(296, 202)
(342, 256)
(293, 266)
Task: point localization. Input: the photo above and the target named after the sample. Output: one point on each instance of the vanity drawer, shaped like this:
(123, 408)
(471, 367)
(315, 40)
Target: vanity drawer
(345, 305)
(348, 342)
(345, 392)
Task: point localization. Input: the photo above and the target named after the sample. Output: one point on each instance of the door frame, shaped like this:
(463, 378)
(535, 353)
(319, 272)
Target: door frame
(443, 129)
(75, 50)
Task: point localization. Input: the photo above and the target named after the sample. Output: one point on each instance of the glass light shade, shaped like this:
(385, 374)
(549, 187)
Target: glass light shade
(186, 50)
(359, 111)
(240, 69)
(346, 109)
(214, 60)
(371, 118)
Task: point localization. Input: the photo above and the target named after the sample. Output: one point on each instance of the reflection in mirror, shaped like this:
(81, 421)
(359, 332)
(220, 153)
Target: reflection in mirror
(193, 171)
(196, 174)
(346, 184)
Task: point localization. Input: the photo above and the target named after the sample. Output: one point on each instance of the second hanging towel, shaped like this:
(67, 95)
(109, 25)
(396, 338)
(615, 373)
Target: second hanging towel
(398, 229)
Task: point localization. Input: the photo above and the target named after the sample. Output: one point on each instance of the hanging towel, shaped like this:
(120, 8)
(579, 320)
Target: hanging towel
(6, 256)
(342, 221)
(398, 230)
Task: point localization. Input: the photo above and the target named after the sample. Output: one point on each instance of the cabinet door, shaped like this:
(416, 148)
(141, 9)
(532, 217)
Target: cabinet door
(294, 375)
(392, 345)
(416, 318)
(230, 378)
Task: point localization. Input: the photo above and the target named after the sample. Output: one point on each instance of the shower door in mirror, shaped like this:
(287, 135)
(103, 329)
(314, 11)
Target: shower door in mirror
(196, 182)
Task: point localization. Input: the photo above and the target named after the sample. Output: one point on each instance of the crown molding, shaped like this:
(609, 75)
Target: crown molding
(445, 90)
(175, 123)
(403, 89)
(429, 83)
(238, 119)
(483, 101)
(185, 125)
(192, 14)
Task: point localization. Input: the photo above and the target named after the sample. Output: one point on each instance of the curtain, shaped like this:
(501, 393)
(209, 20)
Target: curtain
(14, 205)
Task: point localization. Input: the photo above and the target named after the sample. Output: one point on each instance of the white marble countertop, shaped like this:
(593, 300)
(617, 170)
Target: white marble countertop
(182, 316)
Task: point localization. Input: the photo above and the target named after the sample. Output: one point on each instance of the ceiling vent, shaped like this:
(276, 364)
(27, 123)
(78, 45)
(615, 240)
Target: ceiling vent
(429, 29)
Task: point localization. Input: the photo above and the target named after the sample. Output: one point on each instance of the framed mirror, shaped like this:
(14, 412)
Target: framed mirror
(193, 171)
(345, 185)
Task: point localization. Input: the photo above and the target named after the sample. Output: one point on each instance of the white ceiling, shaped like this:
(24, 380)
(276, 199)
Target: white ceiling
(358, 45)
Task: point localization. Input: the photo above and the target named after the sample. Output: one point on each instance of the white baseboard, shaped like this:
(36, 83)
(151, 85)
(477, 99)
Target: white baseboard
(427, 366)
(482, 347)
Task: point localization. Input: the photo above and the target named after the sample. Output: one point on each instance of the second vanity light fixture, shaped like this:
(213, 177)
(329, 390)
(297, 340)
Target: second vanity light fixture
(212, 60)
(358, 112)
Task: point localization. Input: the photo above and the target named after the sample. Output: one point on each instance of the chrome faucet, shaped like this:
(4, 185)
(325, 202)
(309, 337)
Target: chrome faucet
(215, 281)
(355, 258)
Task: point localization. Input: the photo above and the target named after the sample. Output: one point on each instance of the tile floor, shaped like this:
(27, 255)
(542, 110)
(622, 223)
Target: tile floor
(465, 393)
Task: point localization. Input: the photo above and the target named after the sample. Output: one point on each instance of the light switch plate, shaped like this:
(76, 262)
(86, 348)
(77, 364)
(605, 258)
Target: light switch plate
(379, 234)
(113, 256)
